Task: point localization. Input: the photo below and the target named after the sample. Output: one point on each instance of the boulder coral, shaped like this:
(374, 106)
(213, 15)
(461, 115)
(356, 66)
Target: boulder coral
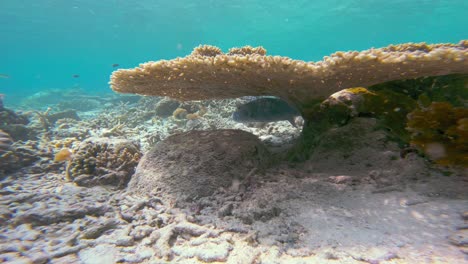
(195, 164)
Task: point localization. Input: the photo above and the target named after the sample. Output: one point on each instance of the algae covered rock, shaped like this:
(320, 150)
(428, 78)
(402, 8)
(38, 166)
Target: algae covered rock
(196, 163)
(104, 161)
(441, 132)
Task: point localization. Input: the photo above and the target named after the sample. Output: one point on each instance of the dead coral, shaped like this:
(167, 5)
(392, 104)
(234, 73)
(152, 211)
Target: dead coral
(14, 124)
(20, 155)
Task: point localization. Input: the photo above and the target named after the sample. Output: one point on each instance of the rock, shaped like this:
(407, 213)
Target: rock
(96, 230)
(140, 232)
(225, 210)
(39, 258)
(341, 179)
(166, 107)
(142, 254)
(26, 233)
(67, 250)
(465, 215)
(71, 114)
(125, 241)
(13, 258)
(101, 254)
(197, 163)
(460, 238)
(39, 216)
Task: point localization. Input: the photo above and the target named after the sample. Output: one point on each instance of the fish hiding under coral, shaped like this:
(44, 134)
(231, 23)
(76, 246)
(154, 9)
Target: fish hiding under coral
(267, 109)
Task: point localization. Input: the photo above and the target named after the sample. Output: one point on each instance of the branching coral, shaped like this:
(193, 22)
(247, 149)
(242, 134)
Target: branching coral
(104, 161)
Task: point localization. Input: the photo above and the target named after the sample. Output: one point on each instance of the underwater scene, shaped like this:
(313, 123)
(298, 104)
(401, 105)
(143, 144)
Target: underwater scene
(240, 131)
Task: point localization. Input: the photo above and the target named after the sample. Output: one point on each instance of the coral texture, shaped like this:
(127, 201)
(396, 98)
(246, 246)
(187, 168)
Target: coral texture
(196, 163)
(5, 141)
(208, 74)
(104, 161)
(441, 131)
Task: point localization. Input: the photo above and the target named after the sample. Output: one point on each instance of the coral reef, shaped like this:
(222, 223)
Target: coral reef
(14, 124)
(84, 104)
(196, 163)
(209, 74)
(218, 75)
(21, 155)
(70, 114)
(441, 132)
(101, 161)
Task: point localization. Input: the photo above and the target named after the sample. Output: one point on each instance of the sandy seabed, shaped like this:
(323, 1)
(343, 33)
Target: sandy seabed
(370, 206)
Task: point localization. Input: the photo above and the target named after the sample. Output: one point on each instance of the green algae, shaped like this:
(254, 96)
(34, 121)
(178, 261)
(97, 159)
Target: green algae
(441, 131)
(390, 104)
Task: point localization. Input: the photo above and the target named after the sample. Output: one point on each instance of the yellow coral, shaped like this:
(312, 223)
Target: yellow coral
(440, 130)
(179, 113)
(63, 154)
(192, 116)
(359, 90)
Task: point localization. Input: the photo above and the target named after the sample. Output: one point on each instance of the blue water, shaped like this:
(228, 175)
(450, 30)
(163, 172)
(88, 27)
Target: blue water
(45, 42)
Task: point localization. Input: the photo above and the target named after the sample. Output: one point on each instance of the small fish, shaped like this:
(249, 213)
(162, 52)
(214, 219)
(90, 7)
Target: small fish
(63, 154)
(115, 65)
(266, 110)
(4, 76)
(76, 76)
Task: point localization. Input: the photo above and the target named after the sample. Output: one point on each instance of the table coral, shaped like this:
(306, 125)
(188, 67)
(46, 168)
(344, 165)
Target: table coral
(104, 161)
(208, 73)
